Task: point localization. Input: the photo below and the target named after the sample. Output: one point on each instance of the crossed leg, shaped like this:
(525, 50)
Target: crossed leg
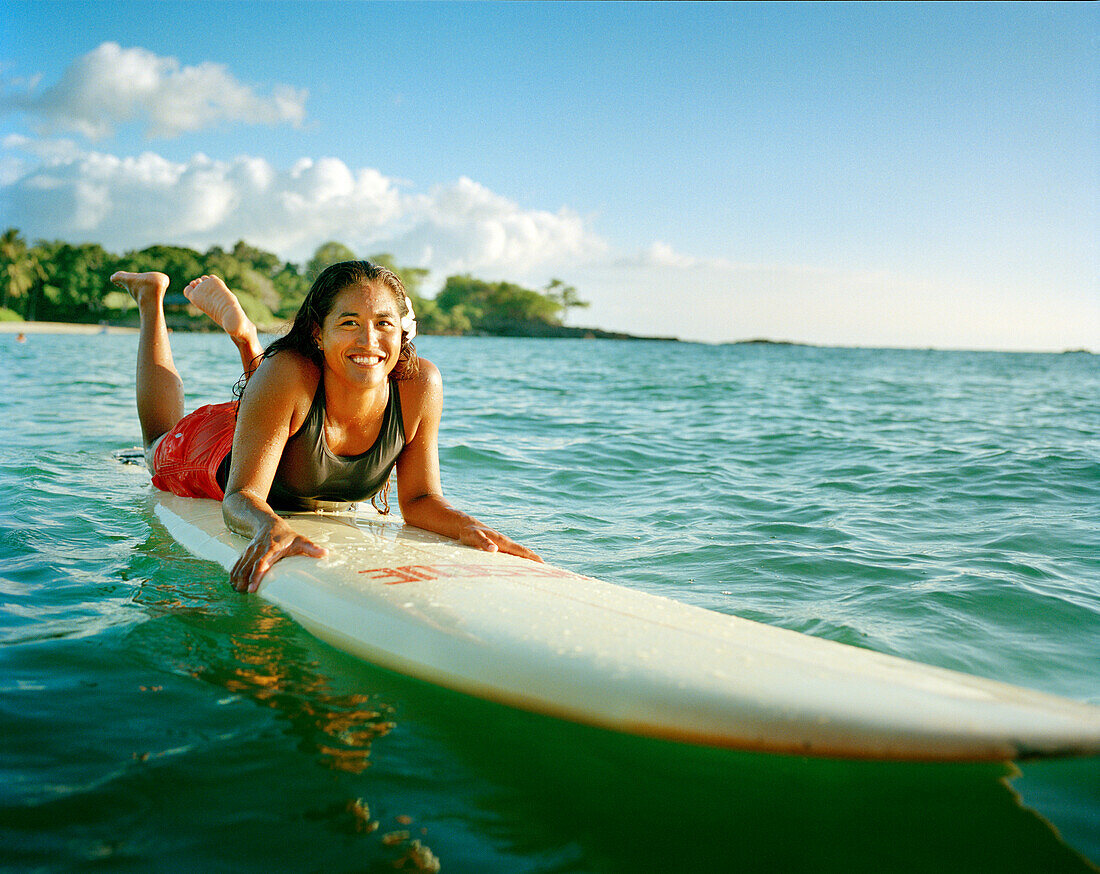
(159, 387)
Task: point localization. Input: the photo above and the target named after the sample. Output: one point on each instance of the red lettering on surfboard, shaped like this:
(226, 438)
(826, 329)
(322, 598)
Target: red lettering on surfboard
(391, 576)
(414, 573)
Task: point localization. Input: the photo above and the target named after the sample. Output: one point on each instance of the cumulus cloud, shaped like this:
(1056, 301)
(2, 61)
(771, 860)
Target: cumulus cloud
(53, 189)
(130, 202)
(112, 85)
(465, 227)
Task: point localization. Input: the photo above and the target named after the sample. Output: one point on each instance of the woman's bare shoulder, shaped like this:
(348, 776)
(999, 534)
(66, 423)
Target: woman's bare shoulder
(289, 365)
(427, 383)
(421, 397)
(284, 375)
(427, 375)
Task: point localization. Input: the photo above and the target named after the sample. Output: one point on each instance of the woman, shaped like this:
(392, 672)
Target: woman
(329, 410)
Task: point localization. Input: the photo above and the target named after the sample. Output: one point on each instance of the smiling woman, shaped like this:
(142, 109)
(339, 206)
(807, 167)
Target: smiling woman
(324, 414)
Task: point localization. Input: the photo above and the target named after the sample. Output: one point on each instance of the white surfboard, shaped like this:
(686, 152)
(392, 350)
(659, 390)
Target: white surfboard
(548, 640)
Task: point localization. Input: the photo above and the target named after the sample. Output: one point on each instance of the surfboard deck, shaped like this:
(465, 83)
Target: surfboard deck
(555, 642)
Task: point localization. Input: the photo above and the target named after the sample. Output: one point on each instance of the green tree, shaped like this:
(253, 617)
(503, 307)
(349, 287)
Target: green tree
(59, 280)
(326, 254)
(19, 268)
(73, 280)
(291, 286)
(498, 307)
(565, 295)
(454, 321)
(180, 264)
(266, 263)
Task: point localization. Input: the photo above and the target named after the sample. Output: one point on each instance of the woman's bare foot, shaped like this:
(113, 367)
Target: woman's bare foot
(146, 288)
(214, 298)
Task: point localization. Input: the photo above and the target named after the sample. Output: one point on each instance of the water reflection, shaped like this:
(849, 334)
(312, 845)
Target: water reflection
(340, 728)
(255, 653)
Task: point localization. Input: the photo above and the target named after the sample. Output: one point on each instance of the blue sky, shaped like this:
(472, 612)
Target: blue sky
(899, 175)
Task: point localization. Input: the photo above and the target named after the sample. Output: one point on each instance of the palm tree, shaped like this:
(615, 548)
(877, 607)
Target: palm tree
(565, 296)
(19, 267)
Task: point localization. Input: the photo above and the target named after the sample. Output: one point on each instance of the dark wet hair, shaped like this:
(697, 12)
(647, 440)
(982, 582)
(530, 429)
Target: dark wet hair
(302, 336)
(308, 321)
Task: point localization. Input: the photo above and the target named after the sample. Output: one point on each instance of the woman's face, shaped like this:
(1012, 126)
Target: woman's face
(361, 335)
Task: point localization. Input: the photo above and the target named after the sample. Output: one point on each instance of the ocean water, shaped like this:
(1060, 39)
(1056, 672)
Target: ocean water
(940, 506)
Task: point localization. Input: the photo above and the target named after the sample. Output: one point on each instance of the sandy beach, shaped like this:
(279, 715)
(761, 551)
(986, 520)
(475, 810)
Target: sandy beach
(60, 328)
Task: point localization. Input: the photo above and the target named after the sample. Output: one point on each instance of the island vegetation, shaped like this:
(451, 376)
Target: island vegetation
(63, 282)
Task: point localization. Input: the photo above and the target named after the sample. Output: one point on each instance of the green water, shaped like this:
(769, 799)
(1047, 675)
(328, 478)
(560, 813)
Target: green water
(938, 506)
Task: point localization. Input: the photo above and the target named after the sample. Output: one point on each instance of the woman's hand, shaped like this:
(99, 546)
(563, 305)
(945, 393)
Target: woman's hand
(483, 537)
(269, 545)
(274, 404)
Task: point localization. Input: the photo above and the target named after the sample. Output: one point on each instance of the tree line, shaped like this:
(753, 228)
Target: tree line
(63, 282)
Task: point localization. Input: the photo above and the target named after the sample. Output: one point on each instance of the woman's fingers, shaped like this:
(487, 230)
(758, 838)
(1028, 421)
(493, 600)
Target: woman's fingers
(513, 548)
(478, 537)
(259, 556)
(308, 547)
(492, 541)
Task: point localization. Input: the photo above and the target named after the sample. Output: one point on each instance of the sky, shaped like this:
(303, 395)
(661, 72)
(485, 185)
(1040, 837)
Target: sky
(890, 175)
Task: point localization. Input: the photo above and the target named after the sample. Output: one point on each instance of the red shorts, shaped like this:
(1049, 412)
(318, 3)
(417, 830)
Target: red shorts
(187, 458)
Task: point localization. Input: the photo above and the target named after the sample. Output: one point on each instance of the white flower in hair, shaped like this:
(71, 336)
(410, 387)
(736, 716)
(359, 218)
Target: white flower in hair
(408, 322)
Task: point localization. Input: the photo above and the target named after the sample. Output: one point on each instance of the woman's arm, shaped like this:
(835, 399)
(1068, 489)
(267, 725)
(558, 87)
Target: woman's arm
(419, 490)
(270, 410)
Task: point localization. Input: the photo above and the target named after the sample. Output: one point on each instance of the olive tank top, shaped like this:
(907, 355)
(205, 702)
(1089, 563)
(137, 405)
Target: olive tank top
(310, 474)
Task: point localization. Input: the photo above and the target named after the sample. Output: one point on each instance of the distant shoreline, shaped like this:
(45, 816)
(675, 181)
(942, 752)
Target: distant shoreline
(554, 332)
(61, 328)
(759, 341)
(550, 331)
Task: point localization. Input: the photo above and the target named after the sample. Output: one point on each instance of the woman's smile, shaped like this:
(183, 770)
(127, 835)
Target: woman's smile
(367, 360)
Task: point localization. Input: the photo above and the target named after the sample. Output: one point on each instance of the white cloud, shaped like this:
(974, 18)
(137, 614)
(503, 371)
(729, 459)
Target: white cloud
(111, 85)
(465, 227)
(130, 202)
(45, 149)
(55, 190)
(662, 255)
